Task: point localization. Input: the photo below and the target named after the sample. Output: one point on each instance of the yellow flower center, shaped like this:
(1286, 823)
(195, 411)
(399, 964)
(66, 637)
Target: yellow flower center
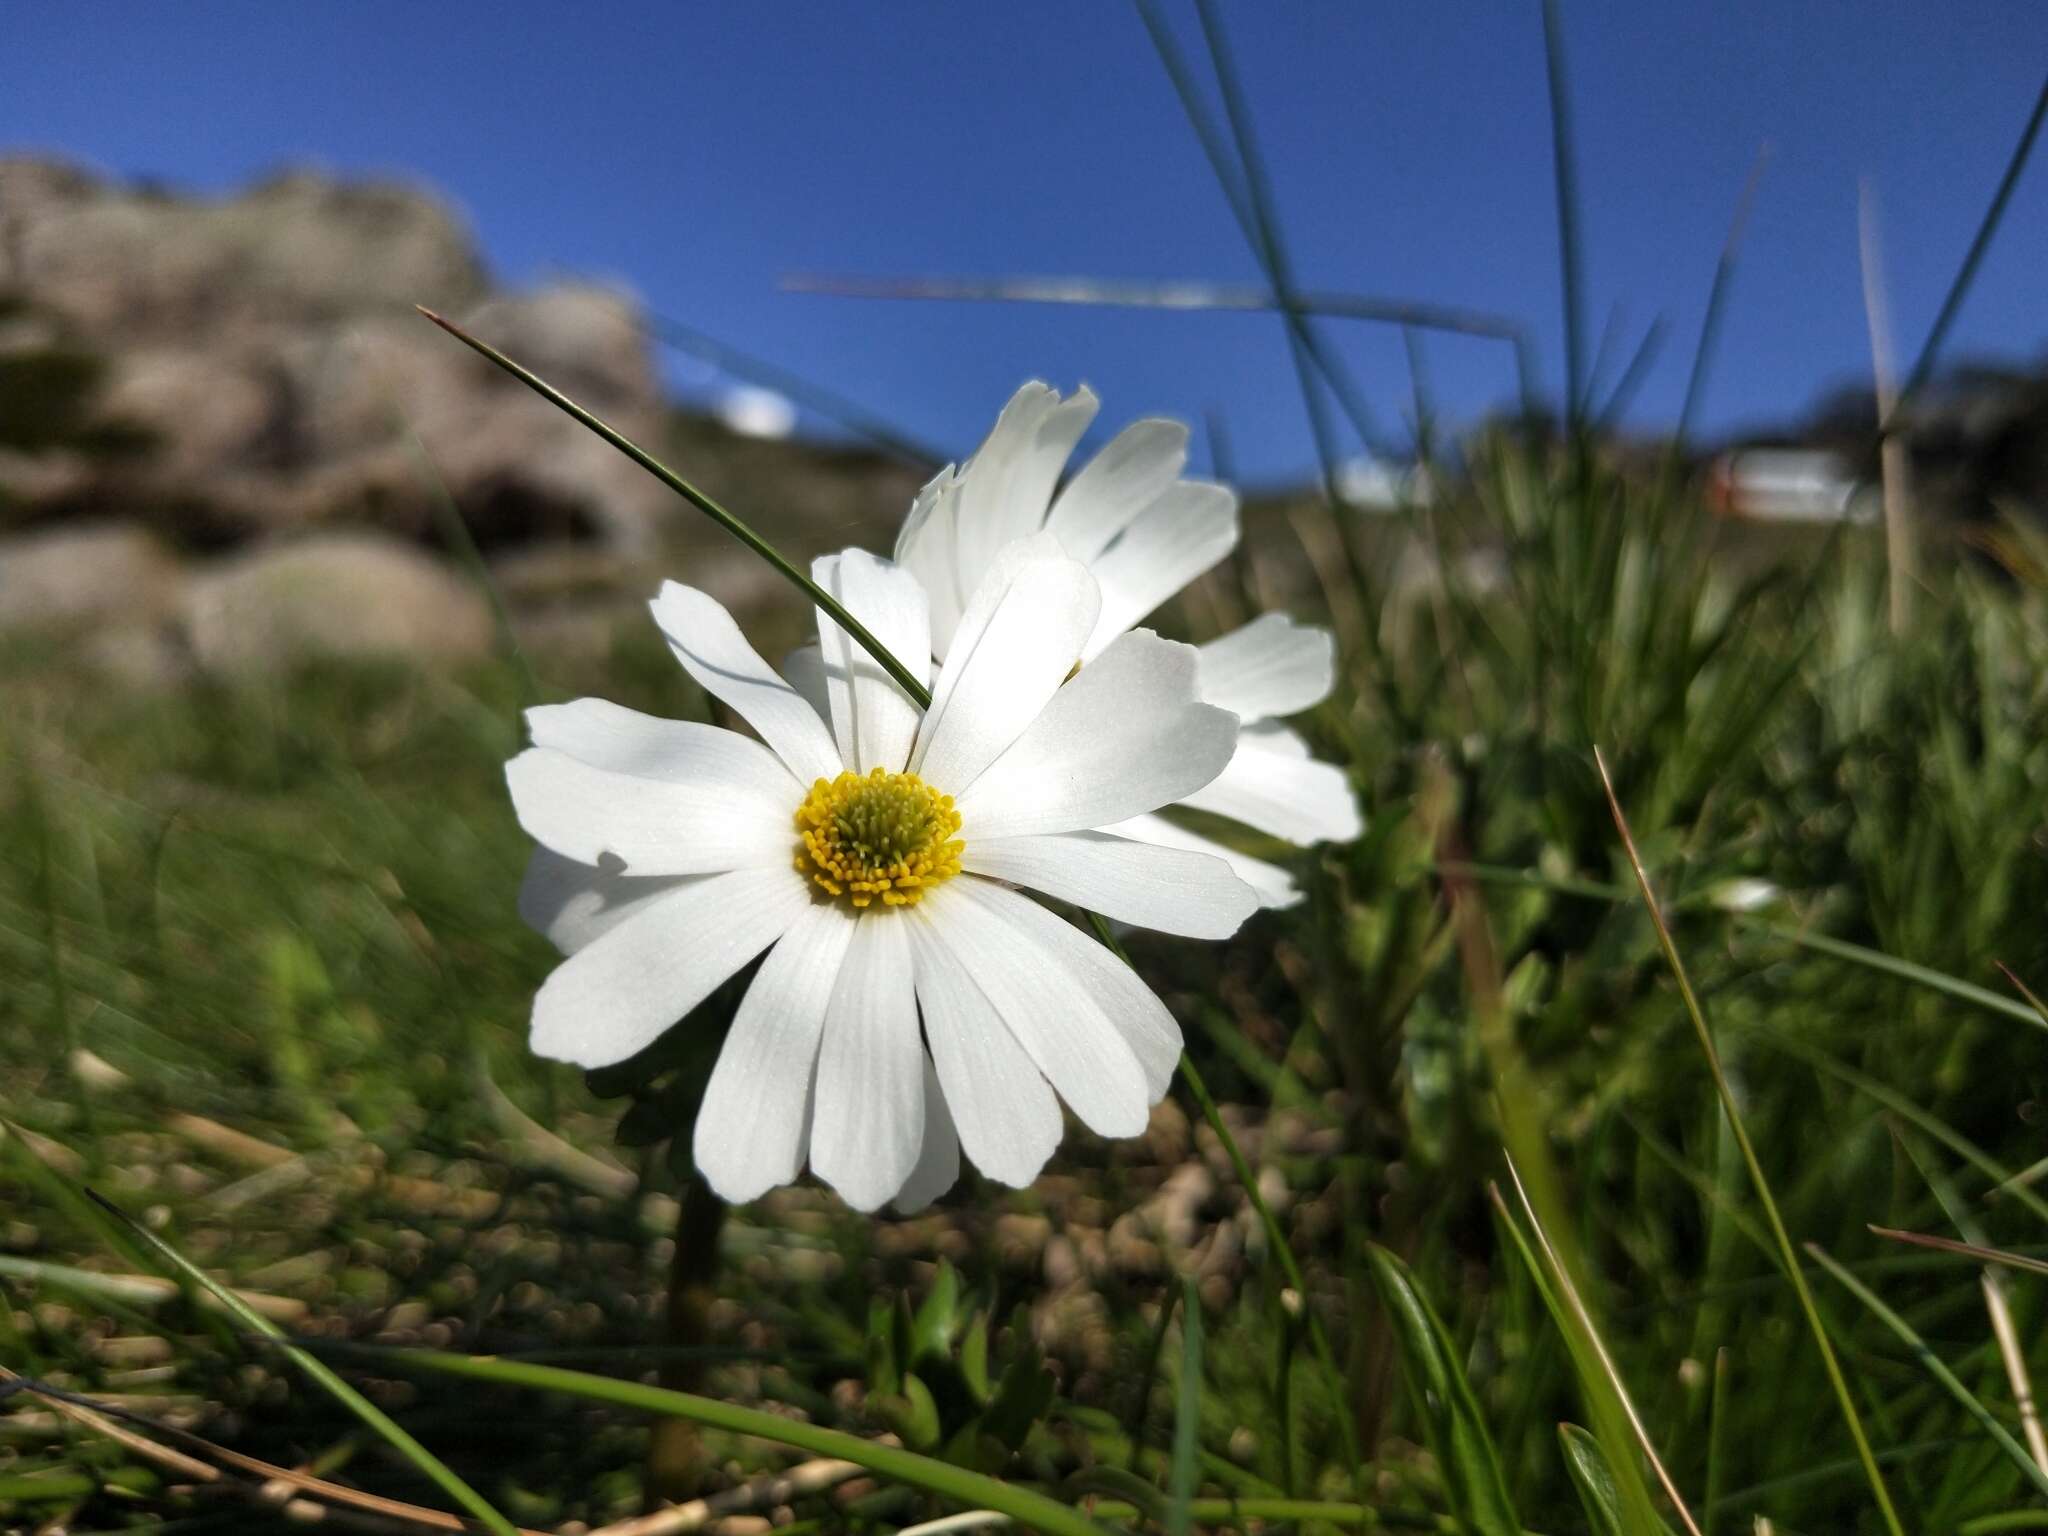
(885, 834)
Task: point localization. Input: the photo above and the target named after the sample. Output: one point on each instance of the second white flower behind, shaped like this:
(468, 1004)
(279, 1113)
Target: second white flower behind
(913, 1004)
(1145, 531)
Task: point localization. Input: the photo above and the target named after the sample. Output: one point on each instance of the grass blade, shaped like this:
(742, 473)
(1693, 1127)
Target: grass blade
(1791, 933)
(1141, 1399)
(974, 1490)
(1996, 1306)
(1965, 1250)
(1594, 1480)
(1717, 301)
(1717, 1449)
(455, 529)
(1906, 1109)
(828, 403)
(1249, 195)
(1443, 1400)
(1596, 1385)
(2033, 1002)
(1192, 294)
(1934, 1367)
(1187, 1414)
(920, 694)
(1789, 1260)
(1276, 1235)
(1966, 274)
(373, 1416)
(1561, 1278)
(1570, 265)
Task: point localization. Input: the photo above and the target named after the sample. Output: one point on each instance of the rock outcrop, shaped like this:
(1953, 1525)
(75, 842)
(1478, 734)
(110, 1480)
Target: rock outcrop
(193, 389)
(254, 365)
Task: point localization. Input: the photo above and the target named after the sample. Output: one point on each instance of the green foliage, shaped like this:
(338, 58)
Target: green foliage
(929, 1376)
(285, 908)
(1594, 1480)
(1473, 1480)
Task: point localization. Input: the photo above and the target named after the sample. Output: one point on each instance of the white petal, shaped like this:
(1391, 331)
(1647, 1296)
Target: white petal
(938, 1162)
(873, 719)
(1118, 992)
(1006, 485)
(755, 1118)
(1271, 666)
(613, 997)
(1032, 482)
(1020, 638)
(571, 904)
(1124, 737)
(1275, 885)
(715, 653)
(733, 811)
(999, 937)
(1272, 736)
(1008, 1118)
(1180, 535)
(1273, 784)
(610, 736)
(804, 668)
(867, 1120)
(1131, 473)
(925, 548)
(1133, 882)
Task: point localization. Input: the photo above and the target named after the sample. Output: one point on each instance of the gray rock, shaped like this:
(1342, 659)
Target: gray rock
(333, 595)
(297, 248)
(265, 348)
(71, 578)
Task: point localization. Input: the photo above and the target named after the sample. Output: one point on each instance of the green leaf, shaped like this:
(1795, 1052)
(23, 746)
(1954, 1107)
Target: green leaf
(885, 1369)
(970, 1489)
(974, 1357)
(1024, 1393)
(1131, 1489)
(1472, 1473)
(1187, 1411)
(1594, 1480)
(936, 1322)
(1934, 1366)
(912, 1414)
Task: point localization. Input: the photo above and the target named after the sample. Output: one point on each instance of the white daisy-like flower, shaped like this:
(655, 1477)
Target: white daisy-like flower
(913, 1003)
(1144, 532)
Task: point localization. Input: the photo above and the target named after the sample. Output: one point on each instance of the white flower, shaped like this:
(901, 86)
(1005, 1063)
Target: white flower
(878, 859)
(1144, 532)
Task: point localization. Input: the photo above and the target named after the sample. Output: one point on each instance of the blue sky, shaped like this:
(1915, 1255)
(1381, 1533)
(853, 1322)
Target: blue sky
(699, 153)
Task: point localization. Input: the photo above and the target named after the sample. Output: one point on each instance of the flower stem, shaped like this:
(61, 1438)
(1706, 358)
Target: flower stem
(919, 694)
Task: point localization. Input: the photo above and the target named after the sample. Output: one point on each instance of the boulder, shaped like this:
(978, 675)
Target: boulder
(264, 352)
(333, 595)
(296, 249)
(76, 577)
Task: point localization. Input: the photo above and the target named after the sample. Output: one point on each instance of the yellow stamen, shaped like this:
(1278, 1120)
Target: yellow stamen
(887, 835)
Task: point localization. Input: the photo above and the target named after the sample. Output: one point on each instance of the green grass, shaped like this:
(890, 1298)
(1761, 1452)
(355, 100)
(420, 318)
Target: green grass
(284, 909)
(263, 987)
